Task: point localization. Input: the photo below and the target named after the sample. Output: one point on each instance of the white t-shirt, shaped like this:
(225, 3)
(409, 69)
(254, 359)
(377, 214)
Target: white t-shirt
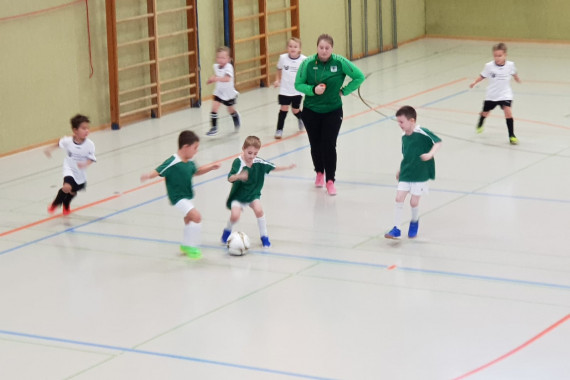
(499, 77)
(289, 67)
(225, 90)
(75, 153)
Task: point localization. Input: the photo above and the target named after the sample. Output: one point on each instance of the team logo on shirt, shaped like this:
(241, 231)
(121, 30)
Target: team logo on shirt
(286, 67)
(333, 69)
(493, 75)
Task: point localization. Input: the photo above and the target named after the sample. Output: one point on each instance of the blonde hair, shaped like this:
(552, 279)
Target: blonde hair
(253, 141)
(294, 39)
(224, 49)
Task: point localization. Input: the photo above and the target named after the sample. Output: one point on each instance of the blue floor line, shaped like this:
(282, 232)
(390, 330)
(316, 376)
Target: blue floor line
(161, 354)
(348, 262)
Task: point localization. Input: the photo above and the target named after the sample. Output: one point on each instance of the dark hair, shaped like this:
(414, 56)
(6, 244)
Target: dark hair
(187, 138)
(408, 111)
(253, 141)
(327, 38)
(77, 120)
(500, 46)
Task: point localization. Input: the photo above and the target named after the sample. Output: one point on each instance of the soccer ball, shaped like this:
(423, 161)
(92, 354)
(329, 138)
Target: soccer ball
(238, 243)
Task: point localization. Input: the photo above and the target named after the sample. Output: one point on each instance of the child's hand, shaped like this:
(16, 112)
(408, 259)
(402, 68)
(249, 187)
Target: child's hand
(426, 156)
(215, 166)
(47, 152)
(472, 85)
(398, 175)
(212, 79)
(144, 177)
(292, 166)
(242, 176)
(82, 165)
(276, 83)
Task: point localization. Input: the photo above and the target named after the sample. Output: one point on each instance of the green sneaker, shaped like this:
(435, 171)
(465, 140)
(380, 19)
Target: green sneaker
(513, 140)
(191, 252)
(480, 129)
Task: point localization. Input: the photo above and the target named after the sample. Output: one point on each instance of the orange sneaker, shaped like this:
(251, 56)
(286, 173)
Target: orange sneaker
(51, 208)
(66, 210)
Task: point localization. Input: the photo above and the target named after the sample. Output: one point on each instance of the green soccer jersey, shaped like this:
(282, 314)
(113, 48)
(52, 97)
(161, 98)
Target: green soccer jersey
(249, 190)
(412, 168)
(178, 177)
(332, 73)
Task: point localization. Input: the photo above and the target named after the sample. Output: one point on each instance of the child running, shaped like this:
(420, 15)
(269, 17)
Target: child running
(224, 93)
(499, 92)
(417, 168)
(247, 176)
(178, 171)
(79, 154)
(287, 67)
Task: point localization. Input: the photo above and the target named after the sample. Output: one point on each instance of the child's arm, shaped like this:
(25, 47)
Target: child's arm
(277, 82)
(207, 168)
(51, 148)
(477, 80)
(150, 175)
(281, 168)
(241, 176)
(215, 78)
(429, 155)
(517, 79)
(84, 164)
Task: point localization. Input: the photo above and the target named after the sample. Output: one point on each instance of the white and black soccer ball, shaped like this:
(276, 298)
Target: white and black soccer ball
(238, 243)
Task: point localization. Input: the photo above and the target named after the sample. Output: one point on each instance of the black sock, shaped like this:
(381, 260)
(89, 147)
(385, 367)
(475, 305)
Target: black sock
(235, 118)
(59, 198)
(298, 114)
(511, 126)
(281, 120)
(67, 200)
(481, 120)
(214, 119)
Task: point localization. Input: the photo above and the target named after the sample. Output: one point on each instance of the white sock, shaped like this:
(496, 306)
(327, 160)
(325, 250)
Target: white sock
(192, 234)
(398, 209)
(415, 213)
(230, 225)
(262, 226)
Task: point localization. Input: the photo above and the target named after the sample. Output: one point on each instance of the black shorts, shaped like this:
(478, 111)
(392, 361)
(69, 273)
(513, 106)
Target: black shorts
(285, 100)
(488, 105)
(227, 103)
(74, 186)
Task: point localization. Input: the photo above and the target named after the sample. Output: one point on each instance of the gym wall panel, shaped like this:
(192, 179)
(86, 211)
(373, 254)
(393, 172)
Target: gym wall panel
(505, 19)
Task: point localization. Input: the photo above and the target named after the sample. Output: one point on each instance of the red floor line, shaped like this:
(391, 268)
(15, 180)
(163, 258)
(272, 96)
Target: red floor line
(517, 349)
(219, 161)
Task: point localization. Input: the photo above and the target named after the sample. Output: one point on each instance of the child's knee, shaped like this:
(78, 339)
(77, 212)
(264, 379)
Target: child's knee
(66, 188)
(193, 216)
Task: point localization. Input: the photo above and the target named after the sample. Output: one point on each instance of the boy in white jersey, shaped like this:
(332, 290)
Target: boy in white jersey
(247, 176)
(79, 154)
(224, 93)
(499, 92)
(417, 168)
(178, 171)
(287, 67)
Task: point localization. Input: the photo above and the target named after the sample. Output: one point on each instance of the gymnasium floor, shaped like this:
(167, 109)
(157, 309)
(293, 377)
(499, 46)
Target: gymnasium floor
(482, 293)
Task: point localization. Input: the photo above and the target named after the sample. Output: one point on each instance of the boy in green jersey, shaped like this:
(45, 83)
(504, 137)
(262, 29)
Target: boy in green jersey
(417, 168)
(247, 176)
(178, 171)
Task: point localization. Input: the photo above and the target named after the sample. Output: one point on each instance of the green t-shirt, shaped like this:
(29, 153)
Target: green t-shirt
(249, 190)
(178, 177)
(332, 73)
(412, 168)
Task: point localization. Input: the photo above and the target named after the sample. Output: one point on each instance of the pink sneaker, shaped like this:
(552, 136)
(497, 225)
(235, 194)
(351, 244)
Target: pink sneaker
(330, 188)
(320, 180)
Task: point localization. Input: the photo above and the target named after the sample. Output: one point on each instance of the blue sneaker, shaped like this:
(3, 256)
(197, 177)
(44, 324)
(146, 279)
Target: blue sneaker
(225, 235)
(393, 234)
(413, 230)
(265, 241)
